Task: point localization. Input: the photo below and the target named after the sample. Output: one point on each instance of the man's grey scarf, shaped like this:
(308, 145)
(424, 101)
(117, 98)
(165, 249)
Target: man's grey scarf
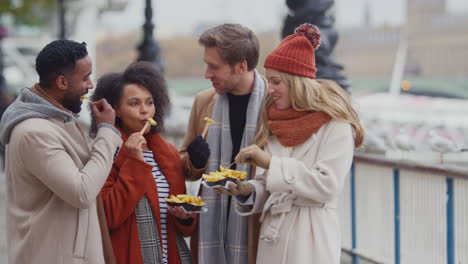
(223, 239)
(150, 245)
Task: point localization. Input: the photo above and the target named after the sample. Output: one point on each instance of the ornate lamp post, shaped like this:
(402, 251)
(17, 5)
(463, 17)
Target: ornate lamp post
(3, 34)
(315, 12)
(3, 92)
(62, 21)
(149, 49)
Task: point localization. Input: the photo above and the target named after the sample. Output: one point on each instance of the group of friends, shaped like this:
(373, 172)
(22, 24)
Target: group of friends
(74, 201)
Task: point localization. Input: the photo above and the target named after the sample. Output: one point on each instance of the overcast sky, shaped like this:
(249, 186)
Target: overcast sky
(175, 17)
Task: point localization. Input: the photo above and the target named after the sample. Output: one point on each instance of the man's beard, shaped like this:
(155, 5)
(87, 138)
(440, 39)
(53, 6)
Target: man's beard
(72, 102)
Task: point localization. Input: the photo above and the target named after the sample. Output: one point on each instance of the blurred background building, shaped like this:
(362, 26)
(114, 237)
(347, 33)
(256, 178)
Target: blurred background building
(437, 44)
(436, 37)
(406, 60)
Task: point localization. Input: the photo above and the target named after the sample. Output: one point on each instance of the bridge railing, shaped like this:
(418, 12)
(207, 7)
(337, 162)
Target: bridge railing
(398, 212)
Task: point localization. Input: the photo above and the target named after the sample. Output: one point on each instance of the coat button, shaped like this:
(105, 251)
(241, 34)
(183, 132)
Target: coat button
(289, 179)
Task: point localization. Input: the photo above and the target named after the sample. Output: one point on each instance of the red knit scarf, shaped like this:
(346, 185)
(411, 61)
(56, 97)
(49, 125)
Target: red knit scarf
(293, 127)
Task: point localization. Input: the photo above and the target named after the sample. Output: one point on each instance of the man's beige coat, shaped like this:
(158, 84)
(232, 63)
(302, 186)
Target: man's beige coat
(53, 179)
(203, 107)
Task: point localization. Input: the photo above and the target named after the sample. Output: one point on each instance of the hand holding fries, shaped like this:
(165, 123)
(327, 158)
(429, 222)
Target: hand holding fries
(241, 188)
(134, 145)
(255, 156)
(181, 213)
(103, 112)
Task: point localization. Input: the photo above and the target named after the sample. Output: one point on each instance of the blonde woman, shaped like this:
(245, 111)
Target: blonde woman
(303, 153)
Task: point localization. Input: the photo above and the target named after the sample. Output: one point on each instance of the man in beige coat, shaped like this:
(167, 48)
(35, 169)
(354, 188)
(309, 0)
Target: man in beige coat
(52, 176)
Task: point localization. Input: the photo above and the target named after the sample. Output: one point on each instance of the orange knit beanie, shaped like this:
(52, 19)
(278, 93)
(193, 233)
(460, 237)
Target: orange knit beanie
(296, 53)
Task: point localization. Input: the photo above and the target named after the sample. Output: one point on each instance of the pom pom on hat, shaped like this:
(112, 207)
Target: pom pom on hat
(296, 53)
(311, 32)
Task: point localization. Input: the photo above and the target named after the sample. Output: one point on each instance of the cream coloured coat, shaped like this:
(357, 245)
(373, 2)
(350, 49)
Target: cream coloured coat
(298, 196)
(53, 179)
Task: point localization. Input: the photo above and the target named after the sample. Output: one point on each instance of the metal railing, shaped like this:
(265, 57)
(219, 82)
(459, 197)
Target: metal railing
(400, 212)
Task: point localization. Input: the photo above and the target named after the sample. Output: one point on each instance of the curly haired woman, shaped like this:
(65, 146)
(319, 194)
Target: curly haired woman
(147, 170)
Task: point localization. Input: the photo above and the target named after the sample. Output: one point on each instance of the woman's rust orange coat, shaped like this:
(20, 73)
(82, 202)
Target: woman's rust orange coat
(130, 179)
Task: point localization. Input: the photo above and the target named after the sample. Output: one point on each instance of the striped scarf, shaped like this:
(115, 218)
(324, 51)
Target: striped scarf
(151, 249)
(223, 236)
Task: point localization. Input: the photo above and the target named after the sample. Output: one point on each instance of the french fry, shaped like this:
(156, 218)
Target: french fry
(223, 173)
(210, 120)
(152, 121)
(186, 198)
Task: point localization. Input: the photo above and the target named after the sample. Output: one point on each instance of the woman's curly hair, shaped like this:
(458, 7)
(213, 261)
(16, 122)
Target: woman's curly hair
(110, 86)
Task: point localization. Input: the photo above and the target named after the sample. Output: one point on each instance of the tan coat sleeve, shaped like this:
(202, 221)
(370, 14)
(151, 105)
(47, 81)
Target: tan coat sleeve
(202, 107)
(46, 157)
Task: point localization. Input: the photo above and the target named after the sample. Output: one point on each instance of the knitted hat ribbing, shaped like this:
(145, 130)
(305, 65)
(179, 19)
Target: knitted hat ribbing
(296, 53)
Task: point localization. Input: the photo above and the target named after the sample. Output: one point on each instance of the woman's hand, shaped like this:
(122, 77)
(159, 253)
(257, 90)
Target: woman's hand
(134, 145)
(242, 188)
(255, 156)
(178, 212)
